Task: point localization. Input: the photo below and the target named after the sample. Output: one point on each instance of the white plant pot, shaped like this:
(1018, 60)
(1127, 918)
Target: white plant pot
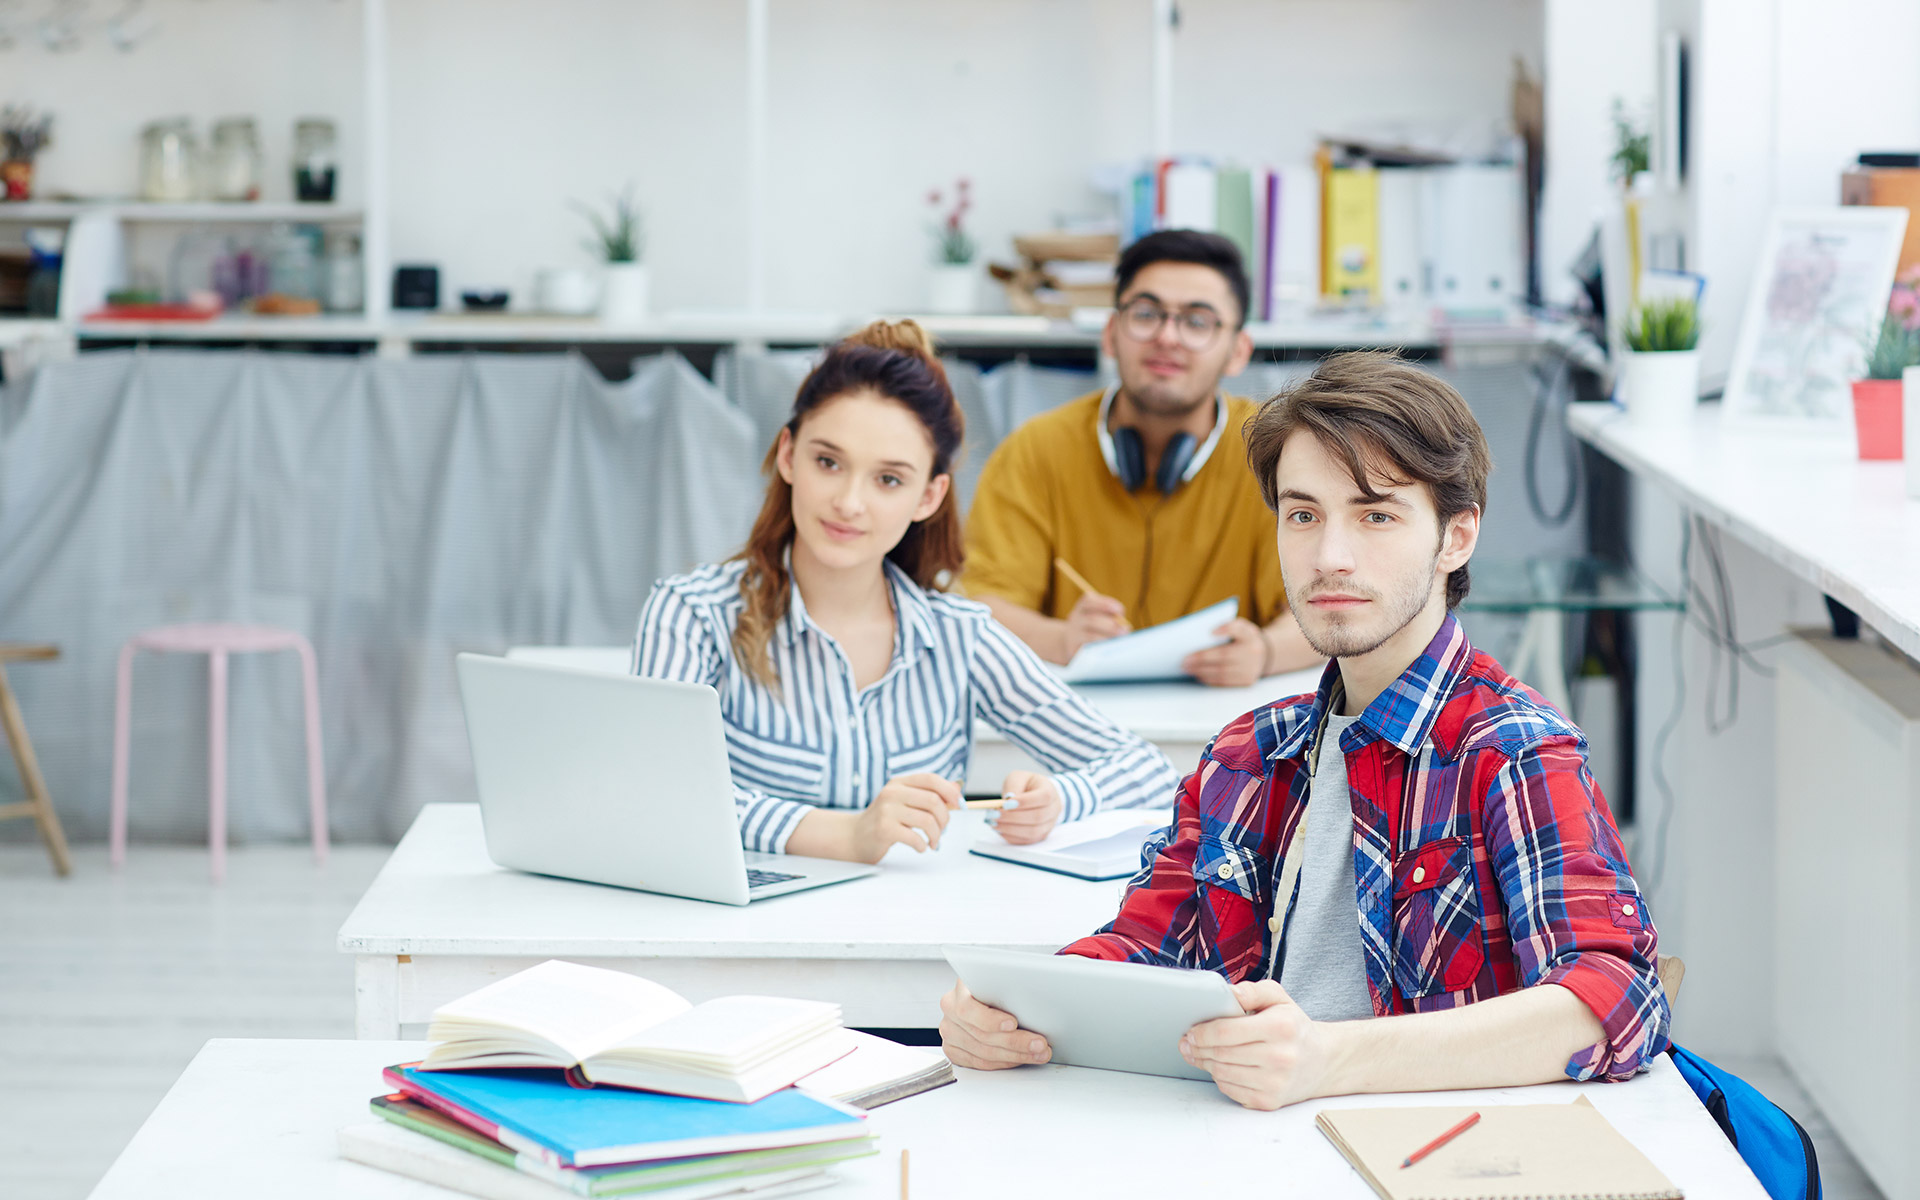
(953, 288)
(1660, 387)
(566, 291)
(1910, 427)
(623, 294)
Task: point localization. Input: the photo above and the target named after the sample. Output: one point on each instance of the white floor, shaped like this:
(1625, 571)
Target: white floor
(110, 982)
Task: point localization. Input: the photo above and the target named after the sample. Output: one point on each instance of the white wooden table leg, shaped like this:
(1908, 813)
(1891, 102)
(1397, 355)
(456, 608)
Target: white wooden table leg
(376, 997)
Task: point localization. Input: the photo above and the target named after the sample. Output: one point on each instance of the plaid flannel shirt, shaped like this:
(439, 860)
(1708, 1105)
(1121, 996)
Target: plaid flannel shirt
(1484, 858)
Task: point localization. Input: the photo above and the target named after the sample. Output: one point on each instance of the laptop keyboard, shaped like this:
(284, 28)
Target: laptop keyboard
(762, 878)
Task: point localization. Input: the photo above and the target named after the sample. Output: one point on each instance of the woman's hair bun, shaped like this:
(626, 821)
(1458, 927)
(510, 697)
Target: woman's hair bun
(904, 335)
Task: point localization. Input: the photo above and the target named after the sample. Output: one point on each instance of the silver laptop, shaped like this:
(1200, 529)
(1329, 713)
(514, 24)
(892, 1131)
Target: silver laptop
(616, 779)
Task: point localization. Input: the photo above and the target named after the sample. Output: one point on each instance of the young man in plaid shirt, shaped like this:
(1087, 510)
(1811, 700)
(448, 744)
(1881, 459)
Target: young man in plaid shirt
(1419, 842)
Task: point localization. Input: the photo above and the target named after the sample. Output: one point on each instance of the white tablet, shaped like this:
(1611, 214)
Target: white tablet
(1111, 1015)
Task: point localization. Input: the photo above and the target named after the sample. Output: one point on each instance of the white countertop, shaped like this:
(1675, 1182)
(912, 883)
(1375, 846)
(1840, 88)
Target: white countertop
(441, 894)
(253, 1118)
(1806, 502)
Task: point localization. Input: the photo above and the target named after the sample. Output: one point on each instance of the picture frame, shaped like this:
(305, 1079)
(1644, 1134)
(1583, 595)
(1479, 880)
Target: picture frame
(1818, 295)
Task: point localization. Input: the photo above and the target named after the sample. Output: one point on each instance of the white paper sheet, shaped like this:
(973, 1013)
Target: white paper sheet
(1152, 653)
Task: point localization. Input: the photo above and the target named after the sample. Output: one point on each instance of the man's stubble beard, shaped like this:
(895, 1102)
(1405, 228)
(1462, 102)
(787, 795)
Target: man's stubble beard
(1338, 642)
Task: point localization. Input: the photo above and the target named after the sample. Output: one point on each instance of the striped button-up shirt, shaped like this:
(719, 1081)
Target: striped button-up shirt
(818, 741)
(1484, 857)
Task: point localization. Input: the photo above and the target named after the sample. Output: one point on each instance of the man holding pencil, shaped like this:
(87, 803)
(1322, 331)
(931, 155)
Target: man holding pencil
(1133, 507)
(1410, 877)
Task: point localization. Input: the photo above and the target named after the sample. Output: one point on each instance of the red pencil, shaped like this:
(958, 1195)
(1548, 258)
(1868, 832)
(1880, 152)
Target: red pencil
(1440, 1141)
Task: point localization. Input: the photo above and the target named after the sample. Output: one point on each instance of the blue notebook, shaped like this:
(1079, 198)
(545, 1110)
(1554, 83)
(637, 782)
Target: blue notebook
(582, 1127)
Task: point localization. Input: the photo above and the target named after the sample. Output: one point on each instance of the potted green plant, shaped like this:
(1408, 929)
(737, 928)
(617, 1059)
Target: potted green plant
(1877, 398)
(954, 285)
(619, 241)
(1660, 380)
(1632, 146)
(22, 137)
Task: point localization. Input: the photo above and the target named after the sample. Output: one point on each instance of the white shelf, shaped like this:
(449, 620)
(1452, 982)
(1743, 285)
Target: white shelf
(323, 327)
(209, 211)
(1308, 332)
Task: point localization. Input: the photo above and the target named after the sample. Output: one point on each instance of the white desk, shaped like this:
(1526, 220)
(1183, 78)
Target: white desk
(1809, 506)
(441, 920)
(252, 1118)
(1807, 503)
(1179, 717)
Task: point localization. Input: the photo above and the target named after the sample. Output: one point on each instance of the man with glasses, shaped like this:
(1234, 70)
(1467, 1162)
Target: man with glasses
(1142, 490)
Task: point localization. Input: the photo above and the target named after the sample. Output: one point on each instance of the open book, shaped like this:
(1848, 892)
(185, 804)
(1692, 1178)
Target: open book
(612, 1027)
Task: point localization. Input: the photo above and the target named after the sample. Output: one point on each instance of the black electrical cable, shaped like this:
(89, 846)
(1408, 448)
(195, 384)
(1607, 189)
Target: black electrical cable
(1551, 382)
(1667, 727)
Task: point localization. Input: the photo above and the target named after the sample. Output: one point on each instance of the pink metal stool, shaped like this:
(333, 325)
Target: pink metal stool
(216, 641)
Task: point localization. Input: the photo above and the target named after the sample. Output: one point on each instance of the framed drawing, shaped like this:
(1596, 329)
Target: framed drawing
(1817, 298)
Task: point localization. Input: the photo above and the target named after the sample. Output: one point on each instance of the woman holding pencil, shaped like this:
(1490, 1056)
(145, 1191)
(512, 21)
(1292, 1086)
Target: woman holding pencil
(849, 679)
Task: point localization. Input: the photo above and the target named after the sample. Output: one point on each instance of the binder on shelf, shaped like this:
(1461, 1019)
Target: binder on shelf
(1233, 211)
(1402, 258)
(1352, 233)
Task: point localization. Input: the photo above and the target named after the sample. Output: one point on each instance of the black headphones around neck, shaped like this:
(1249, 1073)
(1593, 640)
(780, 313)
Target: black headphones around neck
(1130, 460)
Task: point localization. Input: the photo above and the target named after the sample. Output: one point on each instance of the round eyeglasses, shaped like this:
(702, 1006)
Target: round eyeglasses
(1196, 327)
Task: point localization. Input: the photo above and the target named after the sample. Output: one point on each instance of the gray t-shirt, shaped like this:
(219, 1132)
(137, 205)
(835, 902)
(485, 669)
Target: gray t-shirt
(1325, 971)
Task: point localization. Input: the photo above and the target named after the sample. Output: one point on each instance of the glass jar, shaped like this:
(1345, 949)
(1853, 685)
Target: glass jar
(169, 161)
(233, 166)
(292, 264)
(314, 160)
(345, 281)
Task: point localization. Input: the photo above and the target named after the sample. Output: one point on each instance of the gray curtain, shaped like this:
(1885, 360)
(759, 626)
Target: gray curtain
(397, 512)
(394, 512)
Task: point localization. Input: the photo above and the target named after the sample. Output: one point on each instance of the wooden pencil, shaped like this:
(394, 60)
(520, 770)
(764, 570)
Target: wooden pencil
(1076, 578)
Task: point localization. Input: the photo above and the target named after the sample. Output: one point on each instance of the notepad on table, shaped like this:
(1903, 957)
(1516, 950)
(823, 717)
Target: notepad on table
(878, 1072)
(1539, 1151)
(1105, 845)
(617, 1028)
(1155, 652)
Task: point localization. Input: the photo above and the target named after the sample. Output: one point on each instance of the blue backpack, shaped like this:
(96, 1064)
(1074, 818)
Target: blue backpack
(1775, 1148)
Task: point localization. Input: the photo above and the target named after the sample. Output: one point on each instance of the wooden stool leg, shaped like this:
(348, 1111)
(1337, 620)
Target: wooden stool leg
(31, 780)
(217, 762)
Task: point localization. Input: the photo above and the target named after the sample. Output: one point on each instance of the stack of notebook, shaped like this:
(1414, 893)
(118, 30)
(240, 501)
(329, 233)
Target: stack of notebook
(518, 1133)
(605, 1084)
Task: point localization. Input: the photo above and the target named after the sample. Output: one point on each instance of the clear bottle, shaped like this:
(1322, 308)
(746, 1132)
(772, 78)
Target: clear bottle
(169, 161)
(234, 164)
(345, 282)
(314, 160)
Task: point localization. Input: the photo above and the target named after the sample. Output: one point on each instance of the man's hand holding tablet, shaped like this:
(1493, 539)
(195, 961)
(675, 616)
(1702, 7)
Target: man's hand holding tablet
(982, 1037)
(1076, 1011)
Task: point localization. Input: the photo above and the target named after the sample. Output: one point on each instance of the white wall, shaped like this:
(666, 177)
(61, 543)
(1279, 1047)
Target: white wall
(503, 110)
(1596, 54)
(1785, 93)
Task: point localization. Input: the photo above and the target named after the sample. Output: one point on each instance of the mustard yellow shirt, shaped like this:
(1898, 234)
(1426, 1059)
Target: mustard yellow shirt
(1047, 492)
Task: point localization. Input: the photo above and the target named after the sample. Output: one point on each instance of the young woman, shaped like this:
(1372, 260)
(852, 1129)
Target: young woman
(848, 678)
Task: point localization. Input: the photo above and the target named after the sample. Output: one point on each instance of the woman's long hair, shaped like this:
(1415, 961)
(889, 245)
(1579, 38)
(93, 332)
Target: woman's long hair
(896, 360)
